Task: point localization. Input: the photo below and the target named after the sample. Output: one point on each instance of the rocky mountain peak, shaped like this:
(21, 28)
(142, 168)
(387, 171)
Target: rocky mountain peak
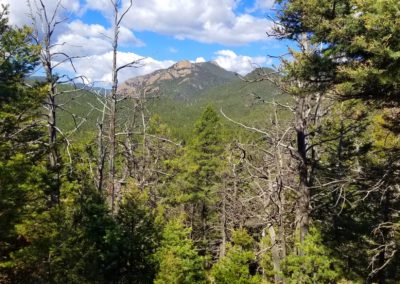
(186, 77)
(184, 64)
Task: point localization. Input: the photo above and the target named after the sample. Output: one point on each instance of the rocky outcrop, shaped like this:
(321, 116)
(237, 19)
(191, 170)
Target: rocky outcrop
(134, 86)
(182, 80)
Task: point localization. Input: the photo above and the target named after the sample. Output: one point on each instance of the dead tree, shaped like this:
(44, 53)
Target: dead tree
(285, 175)
(45, 23)
(111, 104)
(268, 203)
(119, 127)
(309, 93)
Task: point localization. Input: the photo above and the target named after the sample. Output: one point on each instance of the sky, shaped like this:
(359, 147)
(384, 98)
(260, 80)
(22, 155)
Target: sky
(233, 33)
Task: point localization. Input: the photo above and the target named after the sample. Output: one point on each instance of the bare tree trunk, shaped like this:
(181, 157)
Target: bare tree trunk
(303, 200)
(113, 111)
(53, 153)
(45, 24)
(222, 249)
(275, 244)
(276, 255)
(52, 108)
(101, 157)
(303, 121)
(113, 101)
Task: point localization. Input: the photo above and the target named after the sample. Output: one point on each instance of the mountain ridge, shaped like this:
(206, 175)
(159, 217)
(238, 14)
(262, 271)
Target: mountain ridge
(182, 97)
(181, 80)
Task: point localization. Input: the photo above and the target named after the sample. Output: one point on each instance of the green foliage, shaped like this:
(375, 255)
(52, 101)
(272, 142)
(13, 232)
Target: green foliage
(355, 200)
(360, 44)
(197, 177)
(179, 107)
(66, 243)
(204, 156)
(22, 173)
(136, 237)
(78, 241)
(240, 100)
(314, 265)
(18, 56)
(235, 266)
(179, 262)
(200, 164)
(355, 54)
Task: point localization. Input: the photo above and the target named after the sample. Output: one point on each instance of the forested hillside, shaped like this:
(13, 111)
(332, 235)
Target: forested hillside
(179, 105)
(193, 174)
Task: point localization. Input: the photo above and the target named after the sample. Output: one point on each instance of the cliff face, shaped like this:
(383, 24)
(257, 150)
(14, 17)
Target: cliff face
(180, 80)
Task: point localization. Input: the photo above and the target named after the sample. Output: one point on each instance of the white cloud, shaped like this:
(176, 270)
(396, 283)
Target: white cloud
(97, 68)
(100, 5)
(74, 38)
(207, 21)
(241, 64)
(80, 39)
(263, 4)
(19, 9)
(127, 38)
(200, 60)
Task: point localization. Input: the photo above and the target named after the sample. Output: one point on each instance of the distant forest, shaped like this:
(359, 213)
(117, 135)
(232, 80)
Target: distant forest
(301, 187)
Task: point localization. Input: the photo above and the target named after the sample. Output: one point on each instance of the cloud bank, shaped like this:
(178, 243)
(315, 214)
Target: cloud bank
(207, 21)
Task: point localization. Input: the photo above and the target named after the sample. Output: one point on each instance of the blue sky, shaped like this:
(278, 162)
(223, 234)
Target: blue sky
(230, 32)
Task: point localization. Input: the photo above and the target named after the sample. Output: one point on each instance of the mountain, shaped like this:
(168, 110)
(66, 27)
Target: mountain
(242, 99)
(181, 81)
(185, 89)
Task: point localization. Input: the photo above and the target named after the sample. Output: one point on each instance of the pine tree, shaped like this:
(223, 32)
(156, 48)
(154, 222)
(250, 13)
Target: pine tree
(203, 157)
(315, 265)
(21, 148)
(136, 237)
(179, 262)
(203, 163)
(358, 57)
(359, 43)
(235, 266)
(71, 242)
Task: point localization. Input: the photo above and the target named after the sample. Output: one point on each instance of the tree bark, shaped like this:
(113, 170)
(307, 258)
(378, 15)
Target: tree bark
(303, 191)
(113, 113)
(222, 249)
(276, 256)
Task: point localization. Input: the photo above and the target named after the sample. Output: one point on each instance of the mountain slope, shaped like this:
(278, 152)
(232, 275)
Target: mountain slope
(185, 90)
(241, 100)
(181, 81)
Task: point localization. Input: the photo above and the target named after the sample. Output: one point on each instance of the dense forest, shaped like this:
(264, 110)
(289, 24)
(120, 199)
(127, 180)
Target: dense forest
(311, 195)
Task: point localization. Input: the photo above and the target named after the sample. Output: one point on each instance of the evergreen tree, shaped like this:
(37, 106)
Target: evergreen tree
(21, 145)
(315, 265)
(179, 262)
(344, 230)
(203, 158)
(71, 242)
(235, 266)
(136, 238)
(356, 47)
(199, 176)
(360, 43)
